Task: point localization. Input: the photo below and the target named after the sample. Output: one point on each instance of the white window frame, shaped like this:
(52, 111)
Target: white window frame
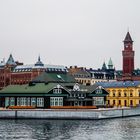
(56, 101)
(28, 101)
(12, 101)
(40, 102)
(57, 90)
(18, 101)
(98, 100)
(99, 91)
(23, 101)
(33, 101)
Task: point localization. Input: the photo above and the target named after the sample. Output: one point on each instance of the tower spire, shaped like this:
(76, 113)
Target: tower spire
(128, 38)
(110, 64)
(39, 62)
(39, 58)
(104, 66)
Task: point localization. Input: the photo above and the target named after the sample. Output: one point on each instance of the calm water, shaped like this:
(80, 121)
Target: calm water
(115, 129)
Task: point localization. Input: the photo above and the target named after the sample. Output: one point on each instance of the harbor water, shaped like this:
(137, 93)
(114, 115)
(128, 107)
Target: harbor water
(35, 129)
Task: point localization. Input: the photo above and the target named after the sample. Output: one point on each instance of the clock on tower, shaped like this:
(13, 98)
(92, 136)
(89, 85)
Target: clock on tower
(128, 55)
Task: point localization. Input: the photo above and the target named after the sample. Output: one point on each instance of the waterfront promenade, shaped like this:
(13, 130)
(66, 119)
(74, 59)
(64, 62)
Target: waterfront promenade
(104, 113)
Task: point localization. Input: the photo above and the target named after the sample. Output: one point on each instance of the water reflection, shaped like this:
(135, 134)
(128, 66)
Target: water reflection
(116, 129)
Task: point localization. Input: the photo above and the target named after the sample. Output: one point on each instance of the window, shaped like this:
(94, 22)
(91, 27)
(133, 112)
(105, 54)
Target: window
(33, 101)
(113, 102)
(23, 101)
(119, 94)
(7, 101)
(131, 95)
(99, 91)
(119, 102)
(56, 101)
(108, 102)
(125, 103)
(18, 101)
(98, 100)
(40, 102)
(114, 93)
(131, 102)
(125, 95)
(28, 101)
(12, 101)
(57, 90)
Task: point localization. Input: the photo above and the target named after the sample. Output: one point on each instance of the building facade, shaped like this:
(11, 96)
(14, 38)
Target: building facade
(91, 76)
(53, 90)
(15, 73)
(122, 94)
(128, 71)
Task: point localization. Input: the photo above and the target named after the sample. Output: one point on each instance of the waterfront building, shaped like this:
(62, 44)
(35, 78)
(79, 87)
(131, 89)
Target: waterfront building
(128, 71)
(13, 72)
(91, 76)
(51, 89)
(122, 93)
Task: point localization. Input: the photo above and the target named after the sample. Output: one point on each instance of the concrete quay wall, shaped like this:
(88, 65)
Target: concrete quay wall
(69, 114)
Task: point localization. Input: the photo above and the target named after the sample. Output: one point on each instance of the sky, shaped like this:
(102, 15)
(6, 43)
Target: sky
(68, 32)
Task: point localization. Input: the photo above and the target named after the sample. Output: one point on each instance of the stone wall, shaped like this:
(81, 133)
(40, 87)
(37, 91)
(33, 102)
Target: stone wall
(70, 114)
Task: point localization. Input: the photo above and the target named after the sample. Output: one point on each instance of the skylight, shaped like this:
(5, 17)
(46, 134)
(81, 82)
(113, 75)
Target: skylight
(59, 76)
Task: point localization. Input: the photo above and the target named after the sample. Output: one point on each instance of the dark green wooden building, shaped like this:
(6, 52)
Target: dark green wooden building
(53, 89)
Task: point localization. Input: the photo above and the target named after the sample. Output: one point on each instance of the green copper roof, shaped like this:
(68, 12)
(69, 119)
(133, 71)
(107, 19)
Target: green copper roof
(37, 88)
(59, 77)
(110, 63)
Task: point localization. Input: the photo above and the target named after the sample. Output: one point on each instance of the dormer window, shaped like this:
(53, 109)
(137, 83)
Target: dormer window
(57, 90)
(99, 91)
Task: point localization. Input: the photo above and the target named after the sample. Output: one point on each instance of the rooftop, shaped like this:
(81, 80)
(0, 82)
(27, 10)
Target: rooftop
(47, 77)
(119, 84)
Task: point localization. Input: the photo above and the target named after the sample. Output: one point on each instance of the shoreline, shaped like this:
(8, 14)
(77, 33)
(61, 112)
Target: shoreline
(70, 114)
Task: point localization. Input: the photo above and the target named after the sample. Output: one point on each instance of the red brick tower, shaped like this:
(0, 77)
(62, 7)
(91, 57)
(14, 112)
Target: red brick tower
(128, 57)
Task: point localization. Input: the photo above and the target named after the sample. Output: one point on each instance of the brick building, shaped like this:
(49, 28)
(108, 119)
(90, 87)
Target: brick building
(91, 76)
(12, 72)
(128, 71)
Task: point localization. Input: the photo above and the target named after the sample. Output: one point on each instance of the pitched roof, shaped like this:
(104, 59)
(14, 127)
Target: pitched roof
(46, 67)
(128, 38)
(59, 77)
(35, 88)
(43, 89)
(10, 60)
(82, 88)
(104, 66)
(79, 72)
(119, 84)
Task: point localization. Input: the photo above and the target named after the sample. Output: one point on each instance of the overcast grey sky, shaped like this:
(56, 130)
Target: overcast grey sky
(68, 32)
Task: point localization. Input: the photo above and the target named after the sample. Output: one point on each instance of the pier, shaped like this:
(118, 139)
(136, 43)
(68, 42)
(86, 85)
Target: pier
(69, 113)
